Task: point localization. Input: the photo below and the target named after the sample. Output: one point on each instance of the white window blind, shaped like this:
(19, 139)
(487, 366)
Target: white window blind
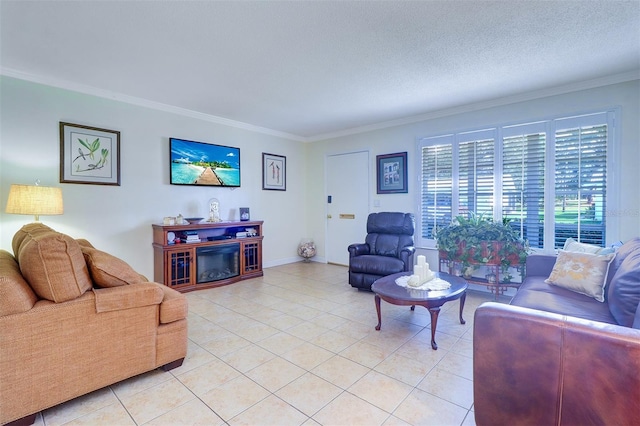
(476, 177)
(548, 178)
(580, 183)
(523, 171)
(437, 185)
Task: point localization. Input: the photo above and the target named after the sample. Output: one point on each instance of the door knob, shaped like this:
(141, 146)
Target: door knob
(328, 216)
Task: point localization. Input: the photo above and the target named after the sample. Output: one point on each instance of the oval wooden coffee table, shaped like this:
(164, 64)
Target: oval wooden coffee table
(386, 289)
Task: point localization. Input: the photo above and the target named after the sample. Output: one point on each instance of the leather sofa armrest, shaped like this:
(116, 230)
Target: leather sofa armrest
(540, 265)
(535, 367)
(127, 297)
(358, 249)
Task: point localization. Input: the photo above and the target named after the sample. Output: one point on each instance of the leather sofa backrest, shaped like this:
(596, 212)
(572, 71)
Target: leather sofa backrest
(621, 254)
(389, 232)
(623, 294)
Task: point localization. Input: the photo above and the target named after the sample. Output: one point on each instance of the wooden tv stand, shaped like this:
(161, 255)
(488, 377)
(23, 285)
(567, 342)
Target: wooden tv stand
(176, 265)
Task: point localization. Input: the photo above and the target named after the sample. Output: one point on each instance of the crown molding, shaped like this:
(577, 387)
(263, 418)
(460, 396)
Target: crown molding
(94, 91)
(522, 97)
(507, 100)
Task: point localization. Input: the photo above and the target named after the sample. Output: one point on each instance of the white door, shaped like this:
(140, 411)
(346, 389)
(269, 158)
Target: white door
(347, 183)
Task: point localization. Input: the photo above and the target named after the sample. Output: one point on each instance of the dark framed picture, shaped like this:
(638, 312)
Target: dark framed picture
(392, 173)
(89, 155)
(274, 172)
(244, 214)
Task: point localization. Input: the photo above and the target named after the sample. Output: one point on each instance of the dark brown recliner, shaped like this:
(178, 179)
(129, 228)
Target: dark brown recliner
(388, 249)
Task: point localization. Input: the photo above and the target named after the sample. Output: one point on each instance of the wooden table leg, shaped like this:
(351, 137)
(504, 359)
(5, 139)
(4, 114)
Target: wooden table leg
(434, 322)
(462, 299)
(378, 311)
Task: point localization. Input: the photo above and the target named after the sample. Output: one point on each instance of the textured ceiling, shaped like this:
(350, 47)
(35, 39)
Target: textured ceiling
(310, 69)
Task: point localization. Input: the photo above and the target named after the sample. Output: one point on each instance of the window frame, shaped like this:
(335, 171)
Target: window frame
(610, 116)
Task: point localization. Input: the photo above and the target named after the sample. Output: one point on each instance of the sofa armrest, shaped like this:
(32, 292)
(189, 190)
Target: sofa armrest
(540, 265)
(535, 367)
(127, 297)
(174, 305)
(358, 249)
(406, 255)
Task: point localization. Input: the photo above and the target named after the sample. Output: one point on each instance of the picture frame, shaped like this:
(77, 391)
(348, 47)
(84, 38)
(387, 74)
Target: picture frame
(244, 214)
(274, 172)
(391, 172)
(89, 155)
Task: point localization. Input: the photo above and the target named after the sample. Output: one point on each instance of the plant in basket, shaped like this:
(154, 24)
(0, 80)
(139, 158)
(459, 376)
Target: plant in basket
(477, 240)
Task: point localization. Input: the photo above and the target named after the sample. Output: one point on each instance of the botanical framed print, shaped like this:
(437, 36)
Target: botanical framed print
(392, 173)
(89, 155)
(274, 172)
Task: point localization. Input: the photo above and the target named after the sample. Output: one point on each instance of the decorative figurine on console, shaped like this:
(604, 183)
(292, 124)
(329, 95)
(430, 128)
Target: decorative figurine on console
(214, 210)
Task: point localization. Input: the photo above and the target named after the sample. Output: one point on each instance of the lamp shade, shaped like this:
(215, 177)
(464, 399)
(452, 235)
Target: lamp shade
(35, 200)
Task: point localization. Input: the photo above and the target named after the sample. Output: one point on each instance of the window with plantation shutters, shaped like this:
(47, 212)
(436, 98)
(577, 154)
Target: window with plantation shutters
(548, 179)
(457, 178)
(522, 181)
(436, 185)
(580, 181)
(476, 177)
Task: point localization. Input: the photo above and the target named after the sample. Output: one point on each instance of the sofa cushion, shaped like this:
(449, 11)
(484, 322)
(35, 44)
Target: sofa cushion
(574, 246)
(84, 243)
(584, 273)
(624, 290)
(384, 244)
(535, 293)
(26, 231)
(376, 265)
(51, 262)
(15, 294)
(107, 270)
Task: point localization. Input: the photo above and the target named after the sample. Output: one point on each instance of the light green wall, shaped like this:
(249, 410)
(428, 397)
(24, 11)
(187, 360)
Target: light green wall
(118, 219)
(624, 216)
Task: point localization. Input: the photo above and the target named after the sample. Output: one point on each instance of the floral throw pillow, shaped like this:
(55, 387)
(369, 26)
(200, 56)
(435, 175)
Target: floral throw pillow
(584, 273)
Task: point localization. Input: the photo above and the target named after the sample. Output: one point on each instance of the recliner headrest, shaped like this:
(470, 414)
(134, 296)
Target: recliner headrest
(391, 223)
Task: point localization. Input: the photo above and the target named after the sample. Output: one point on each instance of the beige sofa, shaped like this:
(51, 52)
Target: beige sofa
(74, 319)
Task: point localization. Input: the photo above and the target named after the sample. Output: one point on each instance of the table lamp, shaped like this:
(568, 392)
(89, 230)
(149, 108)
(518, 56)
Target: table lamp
(35, 200)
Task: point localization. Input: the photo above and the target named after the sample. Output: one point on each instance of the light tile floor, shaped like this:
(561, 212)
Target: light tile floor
(298, 347)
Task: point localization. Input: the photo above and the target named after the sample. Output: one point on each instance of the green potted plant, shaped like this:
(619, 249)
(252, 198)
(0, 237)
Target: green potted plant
(477, 240)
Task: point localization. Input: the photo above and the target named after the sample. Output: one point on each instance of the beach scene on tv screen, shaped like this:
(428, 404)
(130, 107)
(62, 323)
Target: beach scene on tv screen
(197, 163)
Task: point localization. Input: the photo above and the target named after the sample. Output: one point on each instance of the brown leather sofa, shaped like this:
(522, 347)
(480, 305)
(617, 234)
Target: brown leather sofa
(556, 357)
(74, 319)
(388, 249)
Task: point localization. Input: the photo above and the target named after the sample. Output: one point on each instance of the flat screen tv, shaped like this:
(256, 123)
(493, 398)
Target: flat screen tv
(203, 164)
